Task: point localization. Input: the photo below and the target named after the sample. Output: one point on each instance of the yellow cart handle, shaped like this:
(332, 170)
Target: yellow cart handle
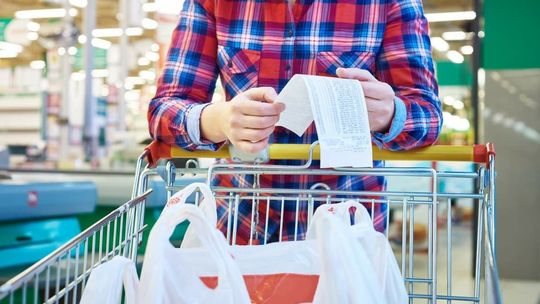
(475, 153)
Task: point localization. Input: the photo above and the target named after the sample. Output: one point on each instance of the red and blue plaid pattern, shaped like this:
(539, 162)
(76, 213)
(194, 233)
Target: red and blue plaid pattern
(250, 43)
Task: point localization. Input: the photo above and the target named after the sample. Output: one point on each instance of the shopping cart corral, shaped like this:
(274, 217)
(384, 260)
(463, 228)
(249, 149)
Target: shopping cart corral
(61, 276)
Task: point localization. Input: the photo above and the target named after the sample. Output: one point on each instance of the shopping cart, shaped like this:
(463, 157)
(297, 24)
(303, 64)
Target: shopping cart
(61, 276)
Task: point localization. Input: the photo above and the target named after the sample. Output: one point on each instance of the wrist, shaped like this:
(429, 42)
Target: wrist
(212, 123)
(389, 117)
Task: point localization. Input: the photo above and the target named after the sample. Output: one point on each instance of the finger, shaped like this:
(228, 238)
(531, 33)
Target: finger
(355, 73)
(375, 90)
(255, 135)
(255, 122)
(264, 94)
(251, 147)
(256, 108)
(374, 105)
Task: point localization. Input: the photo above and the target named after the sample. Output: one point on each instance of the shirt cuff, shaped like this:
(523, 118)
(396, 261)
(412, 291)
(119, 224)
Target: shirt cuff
(398, 122)
(193, 129)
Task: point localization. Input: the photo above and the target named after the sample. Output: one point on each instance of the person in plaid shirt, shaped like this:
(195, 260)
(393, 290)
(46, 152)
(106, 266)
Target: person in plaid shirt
(256, 47)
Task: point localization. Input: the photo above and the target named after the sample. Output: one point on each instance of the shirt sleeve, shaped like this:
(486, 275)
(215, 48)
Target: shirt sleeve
(398, 122)
(405, 63)
(188, 80)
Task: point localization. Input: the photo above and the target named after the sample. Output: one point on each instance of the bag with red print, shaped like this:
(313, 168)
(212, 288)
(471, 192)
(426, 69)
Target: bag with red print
(329, 268)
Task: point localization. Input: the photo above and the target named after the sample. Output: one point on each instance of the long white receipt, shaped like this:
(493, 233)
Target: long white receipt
(339, 109)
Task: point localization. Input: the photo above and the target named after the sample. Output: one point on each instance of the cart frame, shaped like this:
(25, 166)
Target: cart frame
(61, 276)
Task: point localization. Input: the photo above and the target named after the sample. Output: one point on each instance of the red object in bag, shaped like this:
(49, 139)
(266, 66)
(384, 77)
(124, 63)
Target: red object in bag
(281, 288)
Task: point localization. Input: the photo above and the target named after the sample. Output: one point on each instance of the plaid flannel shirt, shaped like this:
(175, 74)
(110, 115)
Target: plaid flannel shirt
(251, 43)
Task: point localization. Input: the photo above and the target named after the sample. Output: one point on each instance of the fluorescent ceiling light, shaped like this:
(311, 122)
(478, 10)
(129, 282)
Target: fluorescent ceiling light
(72, 51)
(135, 81)
(454, 36)
(149, 7)
(8, 54)
(458, 105)
(169, 7)
(81, 75)
(44, 13)
(79, 3)
(32, 36)
(455, 56)
(33, 26)
(143, 61)
(37, 64)
(134, 31)
(149, 24)
(101, 43)
(82, 39)
(448, 100)
(451, 16)
(116, 32)
(440, 44)
(152, 56)
(147, 75)
(7, 46)
(466, 50)
(107, 32)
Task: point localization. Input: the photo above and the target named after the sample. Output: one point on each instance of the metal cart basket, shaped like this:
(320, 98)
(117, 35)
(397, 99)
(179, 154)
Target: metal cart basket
(60, 277)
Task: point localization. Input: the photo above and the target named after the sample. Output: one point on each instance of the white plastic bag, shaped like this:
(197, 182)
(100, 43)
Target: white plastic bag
(377, 248)
(331, 268)
(347, 275)
(105, 283)
(207, 206)
(170, 276)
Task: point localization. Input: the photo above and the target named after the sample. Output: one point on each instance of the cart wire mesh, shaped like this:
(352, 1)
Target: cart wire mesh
(428, 271)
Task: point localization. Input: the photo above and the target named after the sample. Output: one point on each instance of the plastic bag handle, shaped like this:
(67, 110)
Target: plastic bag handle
(342, 211)
(207, 206)
(211, 239)
(131, 283)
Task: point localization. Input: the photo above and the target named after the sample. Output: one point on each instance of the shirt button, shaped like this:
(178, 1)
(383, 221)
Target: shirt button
(288, 67)
(290, 33)
(230, 64)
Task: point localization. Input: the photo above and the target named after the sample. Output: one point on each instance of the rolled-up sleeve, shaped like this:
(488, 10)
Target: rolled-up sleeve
(405, 63)
(188, 80)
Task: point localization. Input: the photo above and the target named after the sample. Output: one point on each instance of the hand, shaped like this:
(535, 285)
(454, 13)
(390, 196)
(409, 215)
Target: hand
(379, 98)
(246, 121)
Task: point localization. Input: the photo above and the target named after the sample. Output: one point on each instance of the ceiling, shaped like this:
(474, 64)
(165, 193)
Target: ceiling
(108, 10)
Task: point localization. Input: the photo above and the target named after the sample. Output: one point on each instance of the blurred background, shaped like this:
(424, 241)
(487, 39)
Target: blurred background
(71, 151)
